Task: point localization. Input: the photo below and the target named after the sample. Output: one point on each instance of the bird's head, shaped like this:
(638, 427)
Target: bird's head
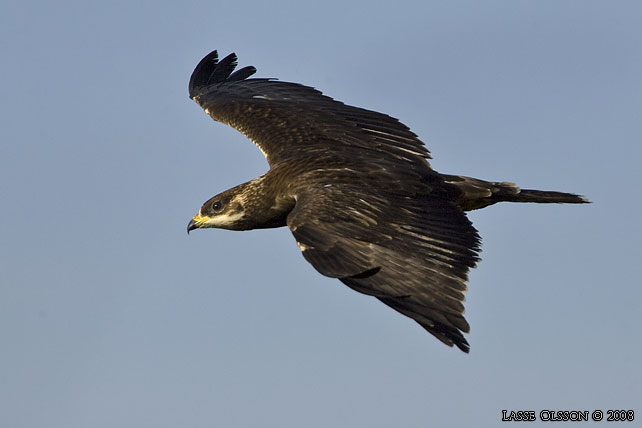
(224, 211)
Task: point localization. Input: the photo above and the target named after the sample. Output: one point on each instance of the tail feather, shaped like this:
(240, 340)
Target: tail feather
(475, 193)
(546, 197)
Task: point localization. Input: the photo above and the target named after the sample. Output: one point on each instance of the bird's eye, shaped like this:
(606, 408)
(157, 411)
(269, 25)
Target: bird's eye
(216, 206)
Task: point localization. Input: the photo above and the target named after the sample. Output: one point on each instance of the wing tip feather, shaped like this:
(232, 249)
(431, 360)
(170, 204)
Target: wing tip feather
(210, 71)
(448, 335)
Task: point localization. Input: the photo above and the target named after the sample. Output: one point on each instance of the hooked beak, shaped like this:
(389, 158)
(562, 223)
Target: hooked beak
(191, 226)
(196, 222)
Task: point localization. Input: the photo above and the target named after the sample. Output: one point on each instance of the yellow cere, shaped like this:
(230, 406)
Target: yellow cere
(200, 219)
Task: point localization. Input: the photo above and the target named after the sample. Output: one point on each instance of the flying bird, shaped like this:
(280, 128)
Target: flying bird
(357, 192)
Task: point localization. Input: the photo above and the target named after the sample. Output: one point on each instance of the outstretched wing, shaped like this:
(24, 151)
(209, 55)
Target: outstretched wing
(287, 120)
(412, 252)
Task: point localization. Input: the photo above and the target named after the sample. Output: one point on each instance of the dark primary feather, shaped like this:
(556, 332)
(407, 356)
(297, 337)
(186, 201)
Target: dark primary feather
(201, 74)
(209, 71)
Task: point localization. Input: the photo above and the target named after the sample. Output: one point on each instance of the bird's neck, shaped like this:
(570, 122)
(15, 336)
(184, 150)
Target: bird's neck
(267, 202)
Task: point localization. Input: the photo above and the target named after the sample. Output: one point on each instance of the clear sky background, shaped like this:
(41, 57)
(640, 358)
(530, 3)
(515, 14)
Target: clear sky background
(111, 316)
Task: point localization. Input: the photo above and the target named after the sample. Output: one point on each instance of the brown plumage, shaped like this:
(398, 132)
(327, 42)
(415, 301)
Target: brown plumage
(355, 188)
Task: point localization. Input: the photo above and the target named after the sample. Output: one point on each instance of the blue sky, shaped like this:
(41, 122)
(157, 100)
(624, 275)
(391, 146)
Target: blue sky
(110, 315)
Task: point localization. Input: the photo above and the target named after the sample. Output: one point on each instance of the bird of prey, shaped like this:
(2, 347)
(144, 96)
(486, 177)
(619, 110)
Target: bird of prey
(357, 192)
